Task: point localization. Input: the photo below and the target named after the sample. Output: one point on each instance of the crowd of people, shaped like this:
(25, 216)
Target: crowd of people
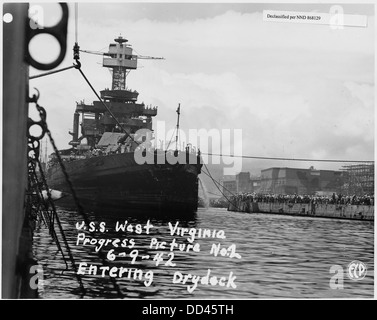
(315, 199)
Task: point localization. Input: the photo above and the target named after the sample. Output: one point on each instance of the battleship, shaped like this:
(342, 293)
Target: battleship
(102, 164)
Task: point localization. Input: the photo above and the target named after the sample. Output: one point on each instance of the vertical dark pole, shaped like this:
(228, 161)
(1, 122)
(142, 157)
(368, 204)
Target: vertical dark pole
(15, 113)
(176, 137)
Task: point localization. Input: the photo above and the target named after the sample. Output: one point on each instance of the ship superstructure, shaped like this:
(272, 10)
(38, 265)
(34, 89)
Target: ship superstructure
(101, 163)
(131, 115)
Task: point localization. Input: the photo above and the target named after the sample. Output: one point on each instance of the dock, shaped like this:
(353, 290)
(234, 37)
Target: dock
(337, 211)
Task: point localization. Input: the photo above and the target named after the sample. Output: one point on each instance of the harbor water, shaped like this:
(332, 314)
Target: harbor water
(269, 256)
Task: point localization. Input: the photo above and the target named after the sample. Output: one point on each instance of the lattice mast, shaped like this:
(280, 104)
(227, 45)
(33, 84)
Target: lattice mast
(121, 61)
(122, 102)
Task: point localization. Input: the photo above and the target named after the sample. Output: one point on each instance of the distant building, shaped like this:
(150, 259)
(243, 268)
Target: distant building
(243, 182)
(293, 180)
(229, 187)
(300, 181)
(359, 179)
(255, 184)
(240, 183)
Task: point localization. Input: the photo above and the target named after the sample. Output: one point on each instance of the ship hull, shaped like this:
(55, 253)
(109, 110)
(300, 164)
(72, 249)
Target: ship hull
(117, 181)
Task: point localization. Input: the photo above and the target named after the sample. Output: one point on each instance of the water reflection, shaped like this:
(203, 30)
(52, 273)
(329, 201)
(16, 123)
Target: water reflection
(282, 257)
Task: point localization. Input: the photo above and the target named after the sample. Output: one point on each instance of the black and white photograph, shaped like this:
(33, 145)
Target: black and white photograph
(168, 151)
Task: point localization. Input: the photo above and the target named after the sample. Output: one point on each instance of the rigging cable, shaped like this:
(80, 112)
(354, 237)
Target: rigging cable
(81, 211)
(78, 66)
(171, 138)
(99, 53)
(287, 159)
(216, 183)
(51, 72)
(76, 57)
(215, 194)
(46, 215)
(76, 21)
(42, 114)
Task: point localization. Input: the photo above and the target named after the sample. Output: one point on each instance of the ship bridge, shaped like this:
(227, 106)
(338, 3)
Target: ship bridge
(119, 100)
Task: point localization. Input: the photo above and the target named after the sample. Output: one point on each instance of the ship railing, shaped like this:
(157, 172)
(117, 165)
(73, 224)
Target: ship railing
(162, 147)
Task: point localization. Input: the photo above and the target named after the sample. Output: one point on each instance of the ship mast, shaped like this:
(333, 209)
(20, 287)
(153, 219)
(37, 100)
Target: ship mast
(121, 60)
(118, 107)
(176, 137)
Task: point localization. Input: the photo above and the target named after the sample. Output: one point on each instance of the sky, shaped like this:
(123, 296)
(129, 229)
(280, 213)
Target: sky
(294, 90)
